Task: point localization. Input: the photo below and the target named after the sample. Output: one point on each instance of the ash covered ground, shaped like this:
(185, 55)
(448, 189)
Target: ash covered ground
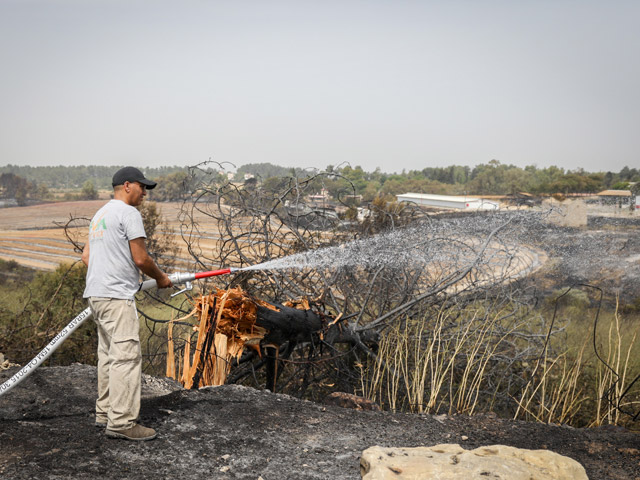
(606, 253)
(47, 431)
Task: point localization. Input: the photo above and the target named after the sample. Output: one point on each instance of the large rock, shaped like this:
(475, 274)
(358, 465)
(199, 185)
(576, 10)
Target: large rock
(568, 213)
(451, 461)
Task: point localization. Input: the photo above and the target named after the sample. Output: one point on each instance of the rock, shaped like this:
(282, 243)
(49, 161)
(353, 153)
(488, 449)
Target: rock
(451, 461)
(348, 400)
(569, 213)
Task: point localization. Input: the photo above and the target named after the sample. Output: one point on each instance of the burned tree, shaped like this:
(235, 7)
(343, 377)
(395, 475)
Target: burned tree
(401, 270)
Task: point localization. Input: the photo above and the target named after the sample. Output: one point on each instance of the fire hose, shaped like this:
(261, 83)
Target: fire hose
(25, 371)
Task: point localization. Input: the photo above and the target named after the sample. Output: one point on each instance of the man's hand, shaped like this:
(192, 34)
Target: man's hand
(164, 281)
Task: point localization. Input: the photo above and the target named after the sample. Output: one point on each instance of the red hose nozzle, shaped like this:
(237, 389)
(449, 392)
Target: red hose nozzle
(214, 273)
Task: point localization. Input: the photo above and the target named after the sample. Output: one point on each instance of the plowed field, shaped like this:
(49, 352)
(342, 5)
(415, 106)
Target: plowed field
(33, 236)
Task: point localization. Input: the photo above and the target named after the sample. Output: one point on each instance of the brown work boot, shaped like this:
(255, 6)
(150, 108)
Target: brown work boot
(136, 433)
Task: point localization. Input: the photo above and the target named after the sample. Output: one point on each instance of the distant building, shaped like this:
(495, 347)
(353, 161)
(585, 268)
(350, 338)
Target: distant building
(613, 197)
(319, 198)
(448, 201)
(351, 199)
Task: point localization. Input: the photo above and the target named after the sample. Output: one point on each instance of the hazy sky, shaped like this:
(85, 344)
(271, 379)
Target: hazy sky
(395, 84)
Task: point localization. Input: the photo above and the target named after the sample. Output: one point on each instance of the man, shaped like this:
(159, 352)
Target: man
(113, 254)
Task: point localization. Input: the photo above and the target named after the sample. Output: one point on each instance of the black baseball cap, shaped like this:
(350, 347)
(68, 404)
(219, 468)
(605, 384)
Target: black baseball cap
(131, 174)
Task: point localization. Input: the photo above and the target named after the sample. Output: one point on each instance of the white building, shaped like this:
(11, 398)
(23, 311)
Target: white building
(448, 201)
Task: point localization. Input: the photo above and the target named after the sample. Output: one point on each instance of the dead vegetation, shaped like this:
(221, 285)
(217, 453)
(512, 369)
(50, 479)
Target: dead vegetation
(225, 325)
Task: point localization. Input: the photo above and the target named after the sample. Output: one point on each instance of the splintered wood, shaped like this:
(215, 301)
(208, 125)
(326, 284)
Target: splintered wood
(225, 326)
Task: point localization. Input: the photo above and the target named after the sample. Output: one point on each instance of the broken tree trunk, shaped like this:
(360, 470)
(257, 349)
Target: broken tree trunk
(227, 321)
(288, 323)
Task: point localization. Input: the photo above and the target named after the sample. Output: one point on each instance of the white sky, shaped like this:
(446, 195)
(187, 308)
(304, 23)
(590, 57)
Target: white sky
(395, 84)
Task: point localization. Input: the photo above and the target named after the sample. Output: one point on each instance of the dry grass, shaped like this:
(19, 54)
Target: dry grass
(433, 365)
(612, 379)
(555, 391)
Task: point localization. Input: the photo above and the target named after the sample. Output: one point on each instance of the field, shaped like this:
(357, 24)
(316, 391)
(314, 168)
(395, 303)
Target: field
(34, 236)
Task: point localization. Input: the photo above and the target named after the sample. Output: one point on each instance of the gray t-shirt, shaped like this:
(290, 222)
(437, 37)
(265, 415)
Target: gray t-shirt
(112, 272)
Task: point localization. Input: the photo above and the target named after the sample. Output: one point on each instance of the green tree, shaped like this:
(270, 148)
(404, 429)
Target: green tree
(356, 176)
(21, 194)
(371, 190)
(266, 170)
(42, 309)
(516, 180)
(620, 186)
(89, 191)
(160, 239)
(171, 188)
(575, 183)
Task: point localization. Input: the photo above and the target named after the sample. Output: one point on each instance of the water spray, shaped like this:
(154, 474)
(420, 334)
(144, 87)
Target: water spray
(176, 278)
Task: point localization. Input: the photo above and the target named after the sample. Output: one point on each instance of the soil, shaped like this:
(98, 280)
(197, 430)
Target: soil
(47, 431)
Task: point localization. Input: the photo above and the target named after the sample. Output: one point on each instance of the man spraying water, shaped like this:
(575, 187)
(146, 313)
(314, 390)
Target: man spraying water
(113, 254)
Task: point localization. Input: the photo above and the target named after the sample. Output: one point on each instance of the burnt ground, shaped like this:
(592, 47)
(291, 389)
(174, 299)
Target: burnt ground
(605, 253)
(47, 431)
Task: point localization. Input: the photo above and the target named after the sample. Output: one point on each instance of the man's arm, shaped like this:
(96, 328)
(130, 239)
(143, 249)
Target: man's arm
(145, 263)
(85, 253)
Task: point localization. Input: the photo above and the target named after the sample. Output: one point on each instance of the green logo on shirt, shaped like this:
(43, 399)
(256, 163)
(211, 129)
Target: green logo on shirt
(97, 228)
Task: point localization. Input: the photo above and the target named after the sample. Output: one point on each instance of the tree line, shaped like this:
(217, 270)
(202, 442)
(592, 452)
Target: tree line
(23, 191)
(75, 177)
(20, 189)
(492, 178)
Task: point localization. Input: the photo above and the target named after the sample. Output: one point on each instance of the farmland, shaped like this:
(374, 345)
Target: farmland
(34, 236)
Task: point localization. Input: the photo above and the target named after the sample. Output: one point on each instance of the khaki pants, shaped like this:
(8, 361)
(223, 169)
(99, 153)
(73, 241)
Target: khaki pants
(119, 361)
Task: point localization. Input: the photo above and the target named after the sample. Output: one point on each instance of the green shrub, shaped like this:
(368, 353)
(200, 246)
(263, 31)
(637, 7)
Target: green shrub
(38, 311)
